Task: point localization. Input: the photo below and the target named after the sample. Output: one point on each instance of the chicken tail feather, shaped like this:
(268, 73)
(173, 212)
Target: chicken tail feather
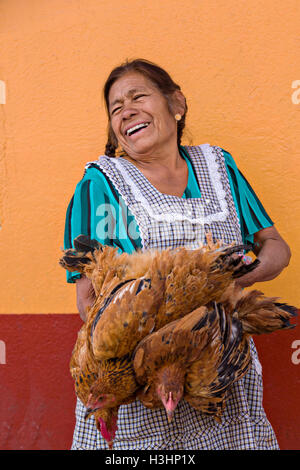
(74, 261)
(235, 264)
(290, 309)
(85, 244)
(245, 269)
(260, 314)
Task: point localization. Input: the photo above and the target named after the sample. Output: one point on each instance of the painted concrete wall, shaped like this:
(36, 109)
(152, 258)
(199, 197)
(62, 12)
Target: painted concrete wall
(237, 63)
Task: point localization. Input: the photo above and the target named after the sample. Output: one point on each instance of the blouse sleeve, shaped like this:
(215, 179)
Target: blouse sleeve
(97, 210)
(88, 213)
(252, 215)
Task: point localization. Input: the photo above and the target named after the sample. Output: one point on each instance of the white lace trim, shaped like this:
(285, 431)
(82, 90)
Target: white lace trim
(178, 213)
(133, 208)
(215, 177)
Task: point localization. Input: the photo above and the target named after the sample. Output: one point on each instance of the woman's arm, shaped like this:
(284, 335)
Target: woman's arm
(91, 193)
(274, 255)
(85, 296)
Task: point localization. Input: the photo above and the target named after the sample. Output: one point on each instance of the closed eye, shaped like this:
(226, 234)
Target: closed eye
(138, 96)
(115, 109)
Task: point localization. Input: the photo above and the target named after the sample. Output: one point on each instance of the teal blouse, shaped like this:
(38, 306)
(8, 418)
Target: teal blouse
(98, 210)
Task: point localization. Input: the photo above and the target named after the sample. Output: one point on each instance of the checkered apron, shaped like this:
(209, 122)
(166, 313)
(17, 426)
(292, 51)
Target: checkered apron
(164, 221)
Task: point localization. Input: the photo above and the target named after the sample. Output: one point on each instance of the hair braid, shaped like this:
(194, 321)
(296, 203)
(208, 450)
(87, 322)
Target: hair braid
(180, 128)
(110, 149)
(112, 144)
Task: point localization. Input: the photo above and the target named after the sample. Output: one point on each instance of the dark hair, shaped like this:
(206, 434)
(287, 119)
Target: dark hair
(158, 76)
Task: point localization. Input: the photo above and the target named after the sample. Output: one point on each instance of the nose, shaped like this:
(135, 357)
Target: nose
(128, 112)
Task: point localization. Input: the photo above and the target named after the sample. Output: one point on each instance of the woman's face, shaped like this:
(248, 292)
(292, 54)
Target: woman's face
(140, 117)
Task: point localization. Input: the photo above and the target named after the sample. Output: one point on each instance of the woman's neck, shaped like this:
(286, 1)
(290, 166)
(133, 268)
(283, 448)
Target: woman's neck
(166, 162)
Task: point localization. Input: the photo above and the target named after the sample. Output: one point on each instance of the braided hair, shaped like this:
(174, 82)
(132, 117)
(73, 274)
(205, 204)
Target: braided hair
(159, 77)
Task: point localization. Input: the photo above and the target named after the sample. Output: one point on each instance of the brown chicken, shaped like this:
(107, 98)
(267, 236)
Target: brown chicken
(200, 356)
(162, 358)
(84, 370)
(183, 279)
(135, 295)
(103, 347)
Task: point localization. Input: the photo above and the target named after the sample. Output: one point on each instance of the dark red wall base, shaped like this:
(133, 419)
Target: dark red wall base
(36, 390)
(37, 398)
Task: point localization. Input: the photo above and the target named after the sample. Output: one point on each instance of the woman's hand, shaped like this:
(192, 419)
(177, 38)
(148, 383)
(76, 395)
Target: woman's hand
(273, 253)
(85, 296)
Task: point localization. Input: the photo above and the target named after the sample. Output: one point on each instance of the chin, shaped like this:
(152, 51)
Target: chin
(139, 148)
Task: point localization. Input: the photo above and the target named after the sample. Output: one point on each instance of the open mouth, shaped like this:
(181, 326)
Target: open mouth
(137, 128)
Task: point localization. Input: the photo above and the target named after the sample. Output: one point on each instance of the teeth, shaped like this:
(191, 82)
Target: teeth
(138, 126)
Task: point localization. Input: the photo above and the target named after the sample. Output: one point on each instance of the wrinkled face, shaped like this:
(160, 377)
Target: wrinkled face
(140, 116)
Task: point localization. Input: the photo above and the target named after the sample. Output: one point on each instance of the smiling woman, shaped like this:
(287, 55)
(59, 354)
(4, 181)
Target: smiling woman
(143, 124)
(159, 194)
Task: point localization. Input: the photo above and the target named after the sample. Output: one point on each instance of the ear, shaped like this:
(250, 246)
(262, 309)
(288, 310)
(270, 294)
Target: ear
(178, 103)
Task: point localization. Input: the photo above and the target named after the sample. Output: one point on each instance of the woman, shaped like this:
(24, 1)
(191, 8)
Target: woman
(154, 194)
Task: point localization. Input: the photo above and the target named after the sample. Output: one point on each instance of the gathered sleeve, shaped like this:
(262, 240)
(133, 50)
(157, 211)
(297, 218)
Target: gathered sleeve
(97, 210)
(88, 213)
(252, 215)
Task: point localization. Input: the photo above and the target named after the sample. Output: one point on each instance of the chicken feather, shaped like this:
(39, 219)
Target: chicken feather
(140, 294)
(84, 371)
(161, 359)
(129, 317)
(226, 360)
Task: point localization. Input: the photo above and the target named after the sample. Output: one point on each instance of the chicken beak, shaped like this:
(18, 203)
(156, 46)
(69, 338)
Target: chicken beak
(88, 412)
(170, 407)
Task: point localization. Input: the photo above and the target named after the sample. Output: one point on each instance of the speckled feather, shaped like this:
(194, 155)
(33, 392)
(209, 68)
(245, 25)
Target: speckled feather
(225, 360)
(169, 352)
(128, 318)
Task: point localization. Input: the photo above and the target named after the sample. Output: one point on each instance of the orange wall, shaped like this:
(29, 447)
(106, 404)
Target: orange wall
(239, 66)
(237, 62)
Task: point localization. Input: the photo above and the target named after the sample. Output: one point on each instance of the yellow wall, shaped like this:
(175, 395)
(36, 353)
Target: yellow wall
(237, 62)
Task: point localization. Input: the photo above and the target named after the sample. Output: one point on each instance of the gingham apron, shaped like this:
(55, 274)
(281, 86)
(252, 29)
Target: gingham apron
(164, 221)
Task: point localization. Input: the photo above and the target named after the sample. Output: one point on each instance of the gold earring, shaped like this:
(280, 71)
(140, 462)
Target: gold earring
(178, 117)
